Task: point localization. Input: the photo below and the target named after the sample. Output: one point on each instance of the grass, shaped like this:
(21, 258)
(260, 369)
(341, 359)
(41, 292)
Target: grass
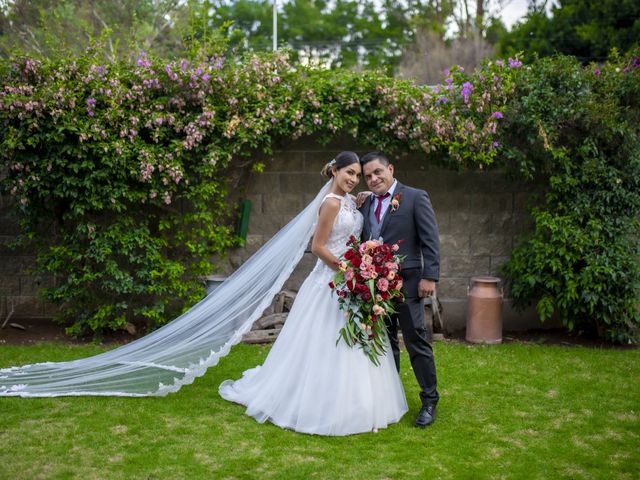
(508, 411)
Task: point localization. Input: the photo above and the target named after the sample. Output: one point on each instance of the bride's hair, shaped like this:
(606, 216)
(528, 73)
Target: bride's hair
(342, 160)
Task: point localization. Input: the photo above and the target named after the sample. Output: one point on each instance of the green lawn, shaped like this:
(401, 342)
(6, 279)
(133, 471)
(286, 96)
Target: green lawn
(508, 411)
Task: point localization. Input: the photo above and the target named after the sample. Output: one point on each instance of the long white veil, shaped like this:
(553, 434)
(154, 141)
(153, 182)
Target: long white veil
(182, 350)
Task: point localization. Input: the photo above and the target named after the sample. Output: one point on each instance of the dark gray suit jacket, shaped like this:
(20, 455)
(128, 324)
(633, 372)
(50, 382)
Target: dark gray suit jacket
(413, 223)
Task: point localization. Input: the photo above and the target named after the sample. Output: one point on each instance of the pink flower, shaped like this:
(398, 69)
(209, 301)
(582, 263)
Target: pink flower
(368, 271)
(378, 310)
(382, 284)
(348, 275)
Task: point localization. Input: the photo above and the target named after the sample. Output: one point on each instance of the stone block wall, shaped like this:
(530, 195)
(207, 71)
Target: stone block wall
(18, 286)
(480, 216)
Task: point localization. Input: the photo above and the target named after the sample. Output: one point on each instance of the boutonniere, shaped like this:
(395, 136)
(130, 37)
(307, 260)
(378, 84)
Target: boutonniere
(395, 201)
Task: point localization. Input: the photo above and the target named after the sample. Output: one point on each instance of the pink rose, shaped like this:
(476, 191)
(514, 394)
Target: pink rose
(391, 266)
(368, 271)
(348, 275)
(383, 284)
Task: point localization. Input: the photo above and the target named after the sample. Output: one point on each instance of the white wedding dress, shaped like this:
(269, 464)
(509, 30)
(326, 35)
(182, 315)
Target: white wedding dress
(310, 384)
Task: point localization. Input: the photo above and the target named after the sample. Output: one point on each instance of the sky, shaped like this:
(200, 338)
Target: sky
(513, 12)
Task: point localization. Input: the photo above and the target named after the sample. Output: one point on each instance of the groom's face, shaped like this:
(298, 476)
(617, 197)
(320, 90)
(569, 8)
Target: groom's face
(379, 177)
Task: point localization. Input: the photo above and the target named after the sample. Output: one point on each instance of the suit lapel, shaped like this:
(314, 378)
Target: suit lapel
(387, 216)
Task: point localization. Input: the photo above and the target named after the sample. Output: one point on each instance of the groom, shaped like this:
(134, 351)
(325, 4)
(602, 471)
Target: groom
(399, 213)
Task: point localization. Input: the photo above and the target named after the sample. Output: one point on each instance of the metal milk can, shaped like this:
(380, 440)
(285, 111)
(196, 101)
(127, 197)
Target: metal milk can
(484, 311)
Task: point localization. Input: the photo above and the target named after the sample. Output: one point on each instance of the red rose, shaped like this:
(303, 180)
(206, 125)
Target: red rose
(356, 261)
(331, 285)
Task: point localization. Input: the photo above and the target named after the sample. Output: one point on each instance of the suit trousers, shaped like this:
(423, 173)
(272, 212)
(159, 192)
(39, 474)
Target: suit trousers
(411, 321)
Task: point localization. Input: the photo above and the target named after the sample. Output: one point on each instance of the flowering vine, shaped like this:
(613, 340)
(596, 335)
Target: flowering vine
(130, 159)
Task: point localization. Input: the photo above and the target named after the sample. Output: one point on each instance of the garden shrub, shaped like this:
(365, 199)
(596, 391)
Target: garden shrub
(119, 170)
(579, 127)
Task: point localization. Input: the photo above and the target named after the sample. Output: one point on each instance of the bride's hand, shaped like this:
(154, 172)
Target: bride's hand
(362, 196)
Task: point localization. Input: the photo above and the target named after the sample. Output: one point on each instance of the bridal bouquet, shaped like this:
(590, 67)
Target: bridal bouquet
(368, 286)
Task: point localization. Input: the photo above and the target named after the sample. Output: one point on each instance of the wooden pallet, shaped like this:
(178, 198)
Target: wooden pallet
(267, 327)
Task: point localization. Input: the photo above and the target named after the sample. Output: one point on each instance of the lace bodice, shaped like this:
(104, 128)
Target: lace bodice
(348, 222)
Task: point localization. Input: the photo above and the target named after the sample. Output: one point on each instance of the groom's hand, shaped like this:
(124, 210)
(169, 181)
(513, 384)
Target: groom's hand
(426, 288)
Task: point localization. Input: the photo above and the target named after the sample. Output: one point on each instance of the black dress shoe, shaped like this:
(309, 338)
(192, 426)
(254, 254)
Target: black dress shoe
(426, 416)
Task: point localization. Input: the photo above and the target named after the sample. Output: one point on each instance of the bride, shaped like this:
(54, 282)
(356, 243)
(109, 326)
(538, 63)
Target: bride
(309, 383)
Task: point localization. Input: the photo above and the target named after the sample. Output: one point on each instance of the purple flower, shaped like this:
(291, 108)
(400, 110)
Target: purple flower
(172, 75)
(500, 63)
(514, 63)
(143, 60)
(467, 88)
(497, 115)
(91, 102)
(442, 100)
(461, 69)
(446, 72)
(596, 71)
(218, 62)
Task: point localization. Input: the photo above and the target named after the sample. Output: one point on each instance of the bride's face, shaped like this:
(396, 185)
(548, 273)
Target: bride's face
(347, 178)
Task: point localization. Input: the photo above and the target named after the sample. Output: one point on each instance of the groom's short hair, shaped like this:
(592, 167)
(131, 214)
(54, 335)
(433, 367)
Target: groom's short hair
(371, 156)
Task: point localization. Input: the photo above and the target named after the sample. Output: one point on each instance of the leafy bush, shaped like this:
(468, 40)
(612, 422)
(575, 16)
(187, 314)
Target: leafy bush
(580, 127)
(120, 169)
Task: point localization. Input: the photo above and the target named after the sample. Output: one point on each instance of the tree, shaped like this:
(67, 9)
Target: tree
(44, 26)
(456, 34)
(582, 28)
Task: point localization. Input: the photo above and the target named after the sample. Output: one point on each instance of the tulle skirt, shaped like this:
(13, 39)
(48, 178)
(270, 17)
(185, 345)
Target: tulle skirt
(310, 384)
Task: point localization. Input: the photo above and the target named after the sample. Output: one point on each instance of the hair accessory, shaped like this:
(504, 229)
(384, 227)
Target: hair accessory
(332, 162)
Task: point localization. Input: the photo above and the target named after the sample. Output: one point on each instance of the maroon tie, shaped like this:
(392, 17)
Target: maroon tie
(379, 206)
